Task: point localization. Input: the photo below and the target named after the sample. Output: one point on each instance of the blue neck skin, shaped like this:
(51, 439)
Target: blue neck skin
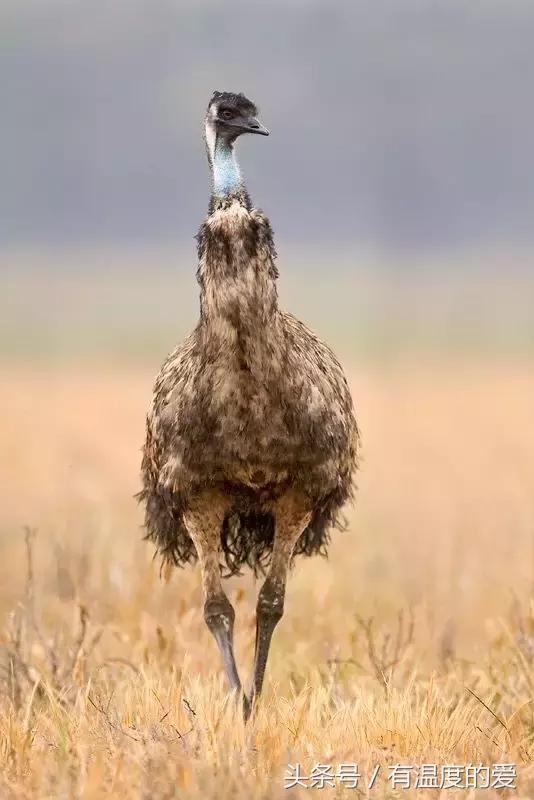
(226, 175)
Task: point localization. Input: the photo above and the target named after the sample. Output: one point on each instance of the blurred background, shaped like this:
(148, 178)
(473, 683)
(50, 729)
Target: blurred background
(398, 176)
(398, 179)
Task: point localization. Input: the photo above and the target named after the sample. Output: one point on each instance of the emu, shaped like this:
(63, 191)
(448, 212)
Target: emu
(251, 440)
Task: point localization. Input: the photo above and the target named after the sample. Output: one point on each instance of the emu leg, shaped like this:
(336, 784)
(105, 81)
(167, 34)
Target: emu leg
(291, 518)
(204, 520)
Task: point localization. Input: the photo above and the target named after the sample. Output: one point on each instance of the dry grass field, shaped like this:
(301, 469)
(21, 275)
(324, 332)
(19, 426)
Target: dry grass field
(412, 644)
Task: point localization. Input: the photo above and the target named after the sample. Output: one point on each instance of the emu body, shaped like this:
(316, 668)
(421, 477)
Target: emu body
(251, 442)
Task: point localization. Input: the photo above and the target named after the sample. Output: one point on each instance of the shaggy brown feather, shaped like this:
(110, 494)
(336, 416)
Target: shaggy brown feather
(252, 402)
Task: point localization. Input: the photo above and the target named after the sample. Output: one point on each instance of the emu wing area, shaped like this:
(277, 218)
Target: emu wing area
(215, 422)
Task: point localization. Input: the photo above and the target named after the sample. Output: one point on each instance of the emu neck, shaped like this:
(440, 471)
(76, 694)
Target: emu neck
(225, 169)
(239, 301)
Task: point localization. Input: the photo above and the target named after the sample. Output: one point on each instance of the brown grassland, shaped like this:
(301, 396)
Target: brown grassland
(413, 643)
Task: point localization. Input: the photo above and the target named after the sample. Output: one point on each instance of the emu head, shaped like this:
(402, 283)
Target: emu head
(228, 116)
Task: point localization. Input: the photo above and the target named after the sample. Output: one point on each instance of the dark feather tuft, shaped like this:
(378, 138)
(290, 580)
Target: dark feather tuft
(235, 100)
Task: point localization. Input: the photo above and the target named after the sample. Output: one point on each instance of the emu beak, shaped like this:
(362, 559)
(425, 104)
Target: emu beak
(254, 126)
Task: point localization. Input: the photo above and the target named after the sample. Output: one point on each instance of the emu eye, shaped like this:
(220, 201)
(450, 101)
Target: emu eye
(225, 113)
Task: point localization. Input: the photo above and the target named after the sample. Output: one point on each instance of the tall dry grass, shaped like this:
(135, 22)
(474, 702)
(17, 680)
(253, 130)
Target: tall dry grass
(413, 643)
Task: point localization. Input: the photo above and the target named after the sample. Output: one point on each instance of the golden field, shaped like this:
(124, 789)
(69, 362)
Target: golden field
(413, 643)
